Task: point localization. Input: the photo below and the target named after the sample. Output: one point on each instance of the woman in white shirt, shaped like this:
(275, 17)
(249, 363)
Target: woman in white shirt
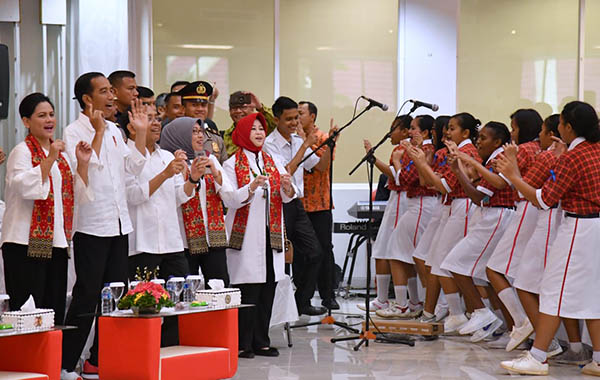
(40, 196)
(254, 222)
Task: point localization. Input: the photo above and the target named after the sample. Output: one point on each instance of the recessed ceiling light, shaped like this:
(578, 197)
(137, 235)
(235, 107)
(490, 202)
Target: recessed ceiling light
(214, 47)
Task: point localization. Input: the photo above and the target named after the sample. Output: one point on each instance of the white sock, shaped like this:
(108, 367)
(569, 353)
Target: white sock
(575, 346)
(413, 291)
(539, 355)
(500, 316)
(383, 284)
(454, 305)
(442, 299)
(512, 303)
(400, 291)
(428, 314)
(596, 356)
(486, 302)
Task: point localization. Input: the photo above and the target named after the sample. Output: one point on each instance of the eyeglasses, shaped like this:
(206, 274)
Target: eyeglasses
(196, 131)
(241, 107)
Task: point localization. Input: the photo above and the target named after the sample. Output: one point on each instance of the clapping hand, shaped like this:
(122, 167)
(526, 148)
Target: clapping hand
(367, 145)
(286, 183)
(558, 146)
(333, 128)
(56, 147)
(416, 154)
(507, 166)
(510, 150)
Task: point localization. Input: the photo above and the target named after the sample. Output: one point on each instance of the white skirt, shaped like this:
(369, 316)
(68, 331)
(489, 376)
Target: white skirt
(470, 255)
(431, 233)
(571, 279)
(410, 228)
(507, 255)
(460, 217)
(531, 267)
(395, 208)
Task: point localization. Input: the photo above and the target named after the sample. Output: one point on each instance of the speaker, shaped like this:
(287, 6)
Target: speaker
(4, 81)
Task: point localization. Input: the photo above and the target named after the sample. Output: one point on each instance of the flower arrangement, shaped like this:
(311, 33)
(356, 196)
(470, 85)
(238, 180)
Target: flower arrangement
(146, 297)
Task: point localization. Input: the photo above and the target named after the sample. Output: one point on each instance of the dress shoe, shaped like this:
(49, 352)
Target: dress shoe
(246, 354)
(330, 304)
(269, 351)
(312, 310)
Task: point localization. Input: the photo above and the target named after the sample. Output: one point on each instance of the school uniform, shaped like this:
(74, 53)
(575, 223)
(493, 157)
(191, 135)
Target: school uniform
(533, 261)
(470, 255)
(459, 210)
(572, 275)
(419, 208)
(506, 257)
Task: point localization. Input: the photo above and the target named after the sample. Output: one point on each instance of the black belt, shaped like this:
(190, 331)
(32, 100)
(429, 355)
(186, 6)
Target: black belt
(582, 216)
(507, 207)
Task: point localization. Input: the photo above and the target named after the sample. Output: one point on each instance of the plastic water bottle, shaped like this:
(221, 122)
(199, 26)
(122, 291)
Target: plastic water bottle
(171, 291)
(187, 294)
(202, 285)
(106, 298)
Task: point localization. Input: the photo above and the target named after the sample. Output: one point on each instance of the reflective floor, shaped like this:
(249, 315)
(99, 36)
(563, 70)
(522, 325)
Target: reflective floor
(313, 357)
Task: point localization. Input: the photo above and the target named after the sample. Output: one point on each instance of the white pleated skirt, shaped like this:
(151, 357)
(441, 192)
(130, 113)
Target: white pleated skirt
(460, 216)
(535, 255)
(410, 228)
(395, 208)
(507, 255)
(571, 279)
(431, 233)
(470, 255)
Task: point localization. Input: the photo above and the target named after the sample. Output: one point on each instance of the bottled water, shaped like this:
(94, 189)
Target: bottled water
(106, 298)
(187, 294)
(202, 285)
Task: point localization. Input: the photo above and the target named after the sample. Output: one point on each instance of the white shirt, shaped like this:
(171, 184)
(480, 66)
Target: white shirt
(106, 176)
(23, 187)
(248, 265)
(225, 186)
(284, 151)
(154, 217)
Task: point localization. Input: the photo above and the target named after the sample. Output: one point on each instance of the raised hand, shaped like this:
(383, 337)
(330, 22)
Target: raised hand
(405, 144)
(286, 183)
(215, 93)
(174, 167)
(507, 166)
(333, 128)
(180, 155)
(300, 132)
(138, 116)
(56, 147)
(367, 145)
(96, 118)
(196, 170)
(311, 139)
(417, 154)
(510, 150)
(397, 156)
(451, 145)
(558, 146)
(254, 101)
(83, 152)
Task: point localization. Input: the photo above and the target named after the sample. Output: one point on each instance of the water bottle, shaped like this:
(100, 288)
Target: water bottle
(106, 298)
(171, 291)
(202, 285)
(187, 294)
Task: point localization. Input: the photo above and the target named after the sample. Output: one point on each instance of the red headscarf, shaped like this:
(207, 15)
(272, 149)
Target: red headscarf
(241, 133)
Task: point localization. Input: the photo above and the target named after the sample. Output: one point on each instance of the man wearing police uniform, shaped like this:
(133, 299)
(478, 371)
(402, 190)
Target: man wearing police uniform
(195, 98)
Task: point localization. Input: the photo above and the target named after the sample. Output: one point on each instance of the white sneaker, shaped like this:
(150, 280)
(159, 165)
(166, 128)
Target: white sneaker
(488, 330)
(453, 323)
(525, 365)
(64, 375)
(441, 312)
(415, 309)
(479, 319)
(425, 319)
(574, 358)
(518, 335)
(499, 342)
(394, 311)
(554, 348)
(592, 368)
(374, 305)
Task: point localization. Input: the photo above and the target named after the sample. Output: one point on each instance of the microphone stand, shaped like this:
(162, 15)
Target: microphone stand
(330, 142)
(366, 334)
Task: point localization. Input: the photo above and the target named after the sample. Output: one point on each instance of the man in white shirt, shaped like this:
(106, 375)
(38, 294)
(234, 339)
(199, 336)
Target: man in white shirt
(101, 226)
(289, 149)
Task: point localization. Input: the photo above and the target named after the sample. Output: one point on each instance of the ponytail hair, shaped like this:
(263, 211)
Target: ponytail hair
(529, 122)
(425, 123)
(440, 123)
(583, 118)
(551, 123)
(468, 122)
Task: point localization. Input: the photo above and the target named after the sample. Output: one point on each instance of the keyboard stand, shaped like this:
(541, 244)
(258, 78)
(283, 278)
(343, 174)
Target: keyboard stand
(356, 240)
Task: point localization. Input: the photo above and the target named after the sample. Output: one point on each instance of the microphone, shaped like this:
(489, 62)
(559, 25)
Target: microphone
(418, 103)
(375, 103)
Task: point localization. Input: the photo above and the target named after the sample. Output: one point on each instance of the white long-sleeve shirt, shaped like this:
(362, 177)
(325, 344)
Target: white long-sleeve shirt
(155, 219)
(106, 177)
(24, 186)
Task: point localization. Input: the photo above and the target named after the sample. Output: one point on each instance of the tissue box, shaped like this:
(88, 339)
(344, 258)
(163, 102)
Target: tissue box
(39, 319)
(220, 298)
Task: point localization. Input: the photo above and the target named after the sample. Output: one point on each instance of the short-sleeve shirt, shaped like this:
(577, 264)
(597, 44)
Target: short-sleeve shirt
(316, 183)
(496, 197)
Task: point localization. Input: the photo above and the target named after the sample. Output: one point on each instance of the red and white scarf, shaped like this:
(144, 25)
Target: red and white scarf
(41, 232)
(242, 173)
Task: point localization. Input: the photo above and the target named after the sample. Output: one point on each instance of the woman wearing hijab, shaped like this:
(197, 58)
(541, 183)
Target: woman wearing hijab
(254, 223)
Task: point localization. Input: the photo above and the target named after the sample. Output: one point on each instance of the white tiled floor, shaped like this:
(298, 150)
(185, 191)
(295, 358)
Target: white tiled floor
(313, 357)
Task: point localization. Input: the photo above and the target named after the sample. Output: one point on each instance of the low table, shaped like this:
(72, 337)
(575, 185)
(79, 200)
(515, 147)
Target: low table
(33, 354)
(129, 345)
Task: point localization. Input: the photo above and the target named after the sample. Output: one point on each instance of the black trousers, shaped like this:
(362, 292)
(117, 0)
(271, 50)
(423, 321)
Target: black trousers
(213, 264)
(253, 322)
(322, 224)
(307, 251)
(170, 264)
(98, 260)
(44, 279)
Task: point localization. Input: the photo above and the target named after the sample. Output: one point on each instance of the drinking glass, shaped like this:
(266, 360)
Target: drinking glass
(117, 289)
(177, 283)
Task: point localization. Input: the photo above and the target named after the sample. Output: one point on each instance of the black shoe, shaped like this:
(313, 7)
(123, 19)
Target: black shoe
(330, 304)
(312, 310)
(247, 354)
(270, 351)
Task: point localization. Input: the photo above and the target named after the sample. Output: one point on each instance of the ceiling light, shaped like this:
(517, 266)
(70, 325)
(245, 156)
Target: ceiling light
(213, 47)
